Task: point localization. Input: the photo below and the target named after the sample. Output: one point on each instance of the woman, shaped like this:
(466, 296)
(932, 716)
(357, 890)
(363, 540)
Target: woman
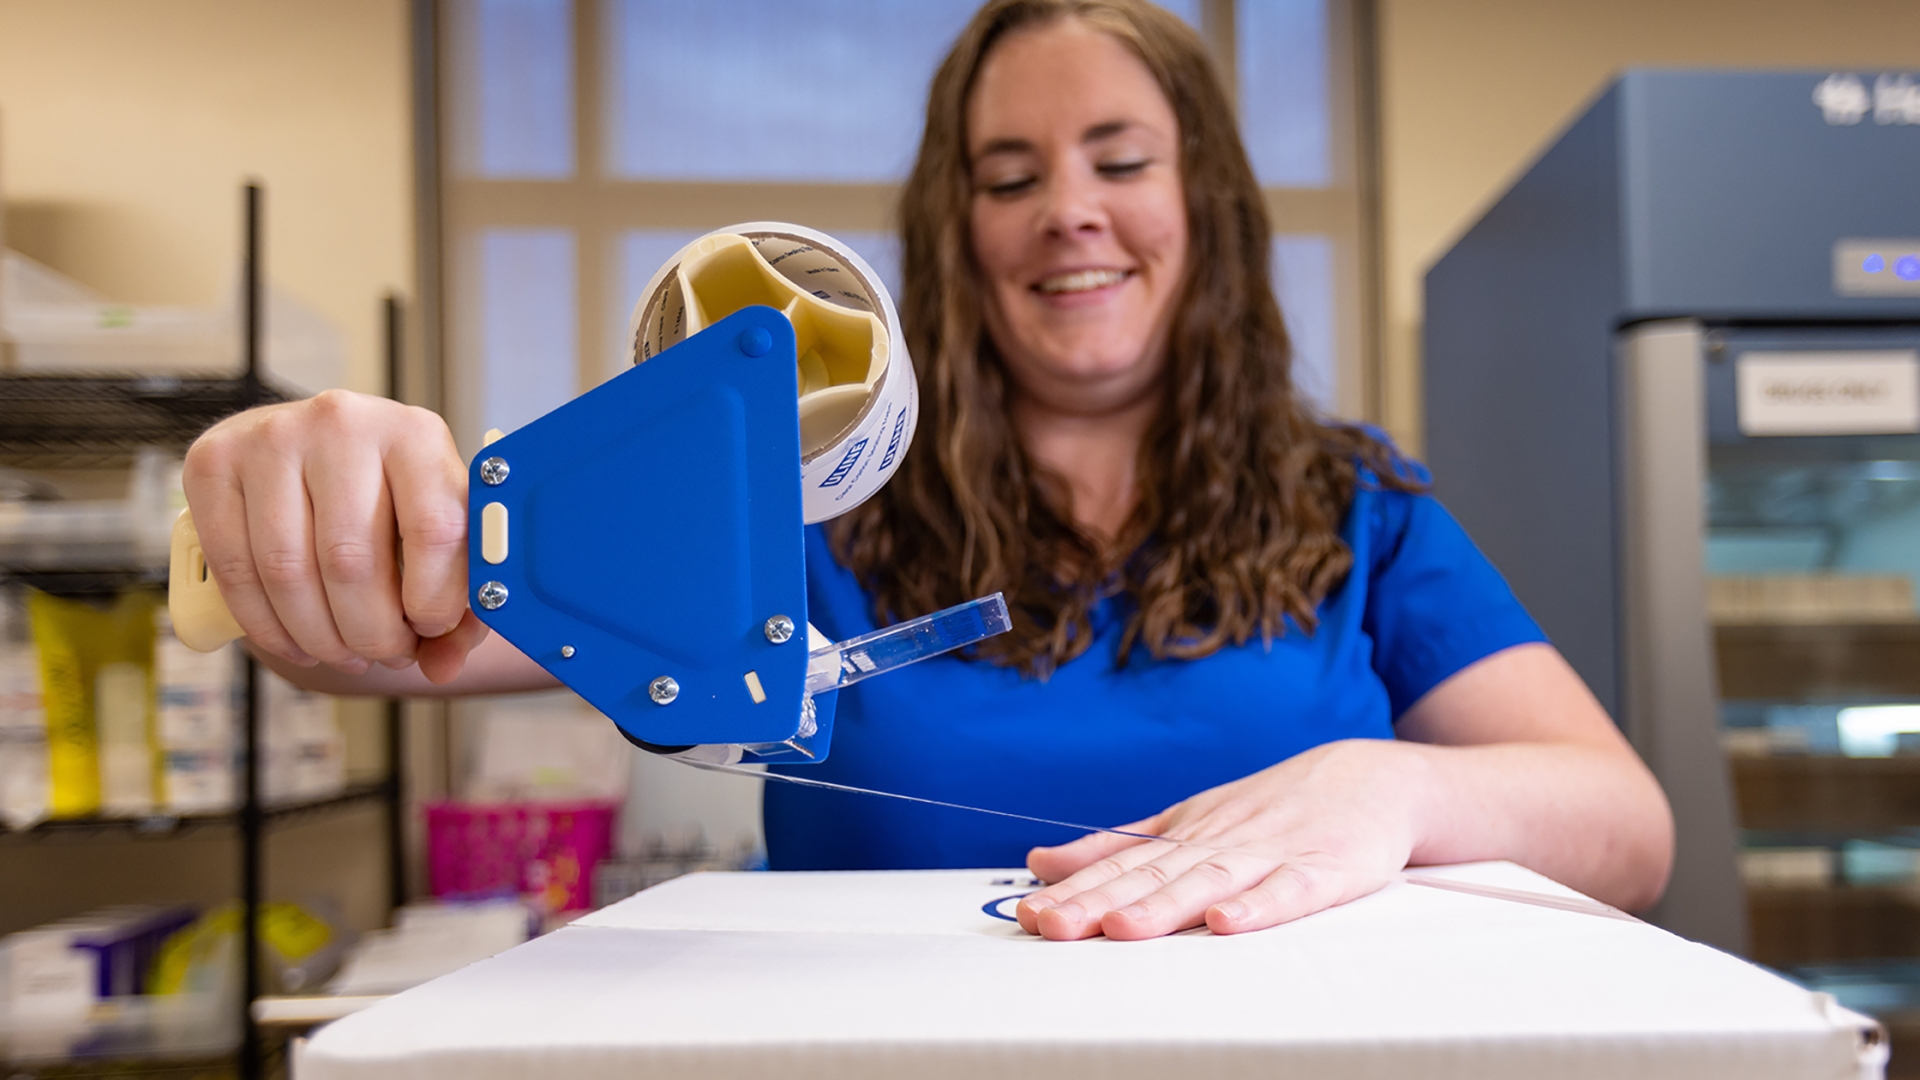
(1235, 623)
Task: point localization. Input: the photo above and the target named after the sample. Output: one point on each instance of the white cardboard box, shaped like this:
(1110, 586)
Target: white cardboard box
(906, 975)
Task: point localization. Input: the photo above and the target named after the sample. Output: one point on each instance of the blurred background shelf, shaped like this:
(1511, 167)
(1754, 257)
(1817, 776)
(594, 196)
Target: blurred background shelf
(72, 443)
(1796, 926)
(1825, 792)
(160, 825)
(215, 1067)
(101, 421)
(1800, 661)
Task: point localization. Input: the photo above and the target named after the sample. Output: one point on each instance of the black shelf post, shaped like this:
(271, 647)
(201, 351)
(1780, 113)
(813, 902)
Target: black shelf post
(395, 790)
(251, 840)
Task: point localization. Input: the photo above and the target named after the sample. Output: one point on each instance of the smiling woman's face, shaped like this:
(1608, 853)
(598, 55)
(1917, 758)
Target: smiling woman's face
(1078, 222)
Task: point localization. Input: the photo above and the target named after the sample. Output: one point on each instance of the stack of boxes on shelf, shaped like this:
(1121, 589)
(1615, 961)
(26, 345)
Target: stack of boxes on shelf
(150, 978)
(54, 324)
(104, 712)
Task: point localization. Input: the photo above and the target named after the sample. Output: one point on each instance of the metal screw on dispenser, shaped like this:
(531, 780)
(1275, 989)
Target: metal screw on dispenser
(779, 629)
(663, 690)
(492, 595)
(566, 652)
(494, 471)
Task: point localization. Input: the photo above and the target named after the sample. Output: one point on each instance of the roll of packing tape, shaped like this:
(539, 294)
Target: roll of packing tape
(859, 401)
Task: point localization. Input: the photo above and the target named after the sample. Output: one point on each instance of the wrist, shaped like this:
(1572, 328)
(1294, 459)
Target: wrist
(1409, 783)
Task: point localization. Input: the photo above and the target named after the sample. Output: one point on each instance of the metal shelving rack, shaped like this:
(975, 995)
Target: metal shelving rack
(100, 422)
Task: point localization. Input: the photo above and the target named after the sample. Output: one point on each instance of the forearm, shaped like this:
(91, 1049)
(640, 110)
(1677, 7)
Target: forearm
(1590, 817)
(494, 667)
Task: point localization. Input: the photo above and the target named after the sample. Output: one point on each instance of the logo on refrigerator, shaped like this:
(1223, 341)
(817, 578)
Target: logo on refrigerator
(1845, 100)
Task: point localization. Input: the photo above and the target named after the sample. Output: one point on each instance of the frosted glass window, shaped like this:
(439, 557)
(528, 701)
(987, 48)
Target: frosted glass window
(1302, 268)
(832, 91)
(1189, 10)
(1281, 59)
(512, 103)
(528, 345)
(828, 91)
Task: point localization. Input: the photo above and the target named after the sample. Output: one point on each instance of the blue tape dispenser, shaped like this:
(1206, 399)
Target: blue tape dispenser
(645, 544)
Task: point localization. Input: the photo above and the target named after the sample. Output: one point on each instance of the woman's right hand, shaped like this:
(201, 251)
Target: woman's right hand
(336, 529)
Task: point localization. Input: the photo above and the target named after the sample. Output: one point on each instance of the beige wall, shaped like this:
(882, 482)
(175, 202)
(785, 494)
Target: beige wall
(128, 126)
(1472, 90)
(126, 130)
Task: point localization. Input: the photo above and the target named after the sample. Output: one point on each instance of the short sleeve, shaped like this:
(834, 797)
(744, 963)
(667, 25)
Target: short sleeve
(1435, 604)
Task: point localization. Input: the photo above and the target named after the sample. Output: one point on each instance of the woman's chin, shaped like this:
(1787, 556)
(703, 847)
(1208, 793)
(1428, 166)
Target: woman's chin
(1083, 383)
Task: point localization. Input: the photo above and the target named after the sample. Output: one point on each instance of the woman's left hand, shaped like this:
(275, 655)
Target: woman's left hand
(1319, 829)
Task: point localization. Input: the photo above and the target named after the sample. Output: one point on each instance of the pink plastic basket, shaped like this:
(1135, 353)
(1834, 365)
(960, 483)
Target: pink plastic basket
(544, 852)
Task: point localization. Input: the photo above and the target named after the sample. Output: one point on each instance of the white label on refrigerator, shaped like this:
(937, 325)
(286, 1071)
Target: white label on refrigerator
(1829, 393)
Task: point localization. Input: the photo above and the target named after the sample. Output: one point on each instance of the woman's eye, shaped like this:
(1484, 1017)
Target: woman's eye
(1118, 169)
(1009, 186)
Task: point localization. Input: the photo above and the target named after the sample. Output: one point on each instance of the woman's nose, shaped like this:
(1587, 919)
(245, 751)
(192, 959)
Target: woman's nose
(1072, 204)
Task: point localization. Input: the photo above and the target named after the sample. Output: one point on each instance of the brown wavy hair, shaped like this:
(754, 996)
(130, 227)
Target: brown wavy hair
(1242, 486)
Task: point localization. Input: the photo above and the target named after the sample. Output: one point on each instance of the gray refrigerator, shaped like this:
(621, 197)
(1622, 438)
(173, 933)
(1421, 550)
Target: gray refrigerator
(1673, 390)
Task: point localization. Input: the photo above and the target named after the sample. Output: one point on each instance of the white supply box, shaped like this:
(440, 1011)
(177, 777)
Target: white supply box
(908, 974)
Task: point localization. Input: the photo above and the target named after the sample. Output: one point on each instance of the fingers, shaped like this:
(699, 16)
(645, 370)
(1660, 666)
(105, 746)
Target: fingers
(280, 528)
(220, 516)
(1291, 892)
(429, 488)
(1150, 891)
(336, 529)
(1059, 910)
(353, 532)
(1082, 915)
(444, 657)
(1055, 863)
(1187, 898)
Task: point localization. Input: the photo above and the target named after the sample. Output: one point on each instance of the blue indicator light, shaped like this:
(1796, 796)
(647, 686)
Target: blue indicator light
(1908, 268)
(1874, 264)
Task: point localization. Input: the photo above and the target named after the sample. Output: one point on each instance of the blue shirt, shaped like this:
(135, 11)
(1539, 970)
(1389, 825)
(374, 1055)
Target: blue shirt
(1109, 746)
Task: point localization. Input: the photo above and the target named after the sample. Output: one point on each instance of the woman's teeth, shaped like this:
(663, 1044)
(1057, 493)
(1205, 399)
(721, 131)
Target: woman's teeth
(1082, 281)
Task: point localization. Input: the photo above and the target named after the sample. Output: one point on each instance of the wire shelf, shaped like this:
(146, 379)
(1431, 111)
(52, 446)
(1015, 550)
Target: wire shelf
(164, 824)
(101, 421)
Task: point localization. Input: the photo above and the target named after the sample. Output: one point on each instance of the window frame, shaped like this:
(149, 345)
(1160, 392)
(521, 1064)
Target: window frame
(599, 207)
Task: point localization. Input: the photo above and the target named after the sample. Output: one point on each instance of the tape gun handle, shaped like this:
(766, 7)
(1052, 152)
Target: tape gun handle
(200, 617)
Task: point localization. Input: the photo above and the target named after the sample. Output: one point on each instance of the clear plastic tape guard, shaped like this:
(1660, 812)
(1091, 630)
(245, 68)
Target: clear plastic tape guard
(861, 459)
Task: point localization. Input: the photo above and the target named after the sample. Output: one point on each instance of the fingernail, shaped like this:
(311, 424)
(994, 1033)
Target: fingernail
(1070, 911)
(1036, 904)
(433, 631)
(299, 656)
(1232, 910)
(355, 666)
(1132, 911)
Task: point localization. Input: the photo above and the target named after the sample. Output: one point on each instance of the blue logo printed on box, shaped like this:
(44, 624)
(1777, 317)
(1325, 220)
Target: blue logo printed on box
(893, 444)
(841, 470)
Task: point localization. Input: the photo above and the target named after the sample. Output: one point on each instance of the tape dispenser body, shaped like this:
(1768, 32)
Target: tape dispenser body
(653, 540)
(645, 543)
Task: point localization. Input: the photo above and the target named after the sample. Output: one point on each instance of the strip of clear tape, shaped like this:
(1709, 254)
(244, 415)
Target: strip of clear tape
(1568, 902)
(832, 667)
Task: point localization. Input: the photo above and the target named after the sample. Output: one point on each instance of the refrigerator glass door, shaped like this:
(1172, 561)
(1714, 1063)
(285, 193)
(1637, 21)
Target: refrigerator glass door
(1813, 563)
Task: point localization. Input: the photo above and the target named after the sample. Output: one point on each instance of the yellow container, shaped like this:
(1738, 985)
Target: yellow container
(85, 648)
